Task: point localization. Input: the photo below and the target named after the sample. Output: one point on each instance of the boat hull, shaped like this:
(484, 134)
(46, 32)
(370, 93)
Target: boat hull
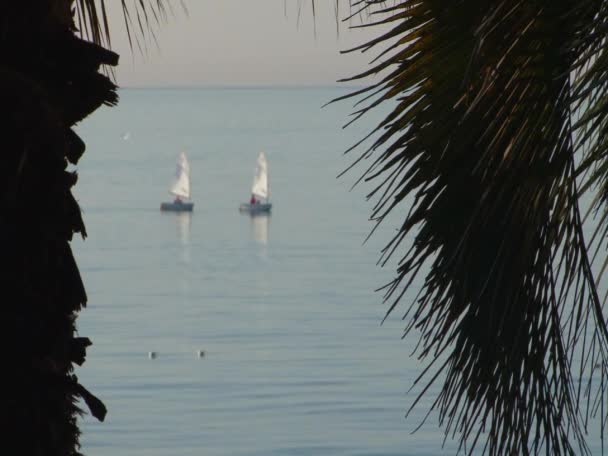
(259, 208)
(177, 207)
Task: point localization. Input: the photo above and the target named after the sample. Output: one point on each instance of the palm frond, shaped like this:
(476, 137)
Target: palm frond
(141, 18)
(481, 146)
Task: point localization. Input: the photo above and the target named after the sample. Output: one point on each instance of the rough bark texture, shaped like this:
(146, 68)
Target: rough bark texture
(49, 80)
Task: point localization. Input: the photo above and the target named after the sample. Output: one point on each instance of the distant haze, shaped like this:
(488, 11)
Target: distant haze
(242, 43)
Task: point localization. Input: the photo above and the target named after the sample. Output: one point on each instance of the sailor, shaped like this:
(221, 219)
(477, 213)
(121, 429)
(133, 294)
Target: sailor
(252, 201)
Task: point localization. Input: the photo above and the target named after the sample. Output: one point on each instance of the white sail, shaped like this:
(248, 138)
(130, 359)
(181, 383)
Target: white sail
(181, 185)
(260, 187)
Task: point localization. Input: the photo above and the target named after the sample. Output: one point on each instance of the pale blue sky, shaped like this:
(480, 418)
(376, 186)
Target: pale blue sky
(243, 42)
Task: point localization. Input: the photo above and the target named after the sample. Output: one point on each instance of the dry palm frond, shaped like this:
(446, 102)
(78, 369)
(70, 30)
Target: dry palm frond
(481, 145)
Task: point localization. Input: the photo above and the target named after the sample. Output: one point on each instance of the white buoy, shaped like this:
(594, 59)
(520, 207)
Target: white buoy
(152, 355)
(200, 353)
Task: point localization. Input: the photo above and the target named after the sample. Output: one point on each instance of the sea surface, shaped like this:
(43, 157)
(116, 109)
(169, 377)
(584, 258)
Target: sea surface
(296, 360)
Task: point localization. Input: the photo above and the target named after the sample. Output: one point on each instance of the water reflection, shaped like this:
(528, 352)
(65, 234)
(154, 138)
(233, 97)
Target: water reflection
(184, 223)
(259, 227)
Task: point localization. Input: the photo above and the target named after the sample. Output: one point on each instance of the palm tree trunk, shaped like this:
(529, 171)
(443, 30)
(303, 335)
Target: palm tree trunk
(49, 80)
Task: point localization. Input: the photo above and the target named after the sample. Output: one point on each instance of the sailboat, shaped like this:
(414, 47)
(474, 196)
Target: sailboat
(180, 188)
(260, 190)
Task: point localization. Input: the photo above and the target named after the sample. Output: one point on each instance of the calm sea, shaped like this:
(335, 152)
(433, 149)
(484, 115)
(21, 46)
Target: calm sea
(296, 359)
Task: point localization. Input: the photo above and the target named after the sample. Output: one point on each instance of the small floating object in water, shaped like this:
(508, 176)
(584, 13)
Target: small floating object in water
(152, 355)
(126, 136)
(200, 353)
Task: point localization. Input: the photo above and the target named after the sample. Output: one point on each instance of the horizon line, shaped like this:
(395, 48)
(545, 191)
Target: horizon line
(243, 86)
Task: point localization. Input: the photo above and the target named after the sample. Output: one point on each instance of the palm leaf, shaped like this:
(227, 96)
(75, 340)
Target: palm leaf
(140, 19)
(482, 148)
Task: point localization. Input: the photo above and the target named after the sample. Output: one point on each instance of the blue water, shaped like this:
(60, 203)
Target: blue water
(296, 360)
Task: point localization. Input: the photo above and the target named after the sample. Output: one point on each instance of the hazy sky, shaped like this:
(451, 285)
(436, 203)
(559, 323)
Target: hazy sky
(243, 42)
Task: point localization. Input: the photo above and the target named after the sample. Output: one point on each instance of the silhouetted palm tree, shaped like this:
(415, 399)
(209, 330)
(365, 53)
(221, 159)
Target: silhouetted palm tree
(49, 80)
(498, 126)
(497, 129)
